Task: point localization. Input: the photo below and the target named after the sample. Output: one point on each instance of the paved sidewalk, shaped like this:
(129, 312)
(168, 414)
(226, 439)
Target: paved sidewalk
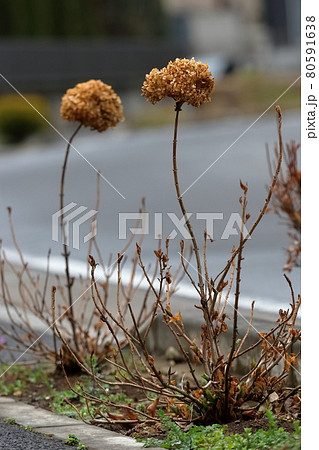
(58, 427)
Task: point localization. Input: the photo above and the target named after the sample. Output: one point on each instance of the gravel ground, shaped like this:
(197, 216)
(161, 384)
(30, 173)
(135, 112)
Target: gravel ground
(13, 437)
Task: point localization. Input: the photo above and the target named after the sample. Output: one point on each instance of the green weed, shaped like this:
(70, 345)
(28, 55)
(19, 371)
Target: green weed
(75, 441)
(10, 420)
(215, 436)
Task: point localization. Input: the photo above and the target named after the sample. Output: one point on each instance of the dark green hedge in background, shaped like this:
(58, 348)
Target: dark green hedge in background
(82, 18)
(18, 120)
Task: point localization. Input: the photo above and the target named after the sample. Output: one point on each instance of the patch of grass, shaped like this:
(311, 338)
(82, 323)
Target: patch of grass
(120, 398)
(13, 388)
(215, 436)
(59, 405)
(17, 378)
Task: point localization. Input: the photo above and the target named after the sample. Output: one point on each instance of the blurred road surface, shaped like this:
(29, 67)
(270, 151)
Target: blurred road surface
(138, 164)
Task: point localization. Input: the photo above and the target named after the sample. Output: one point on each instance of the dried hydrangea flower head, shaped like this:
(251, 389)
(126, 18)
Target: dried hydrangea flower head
(94, 104)
(184, 80)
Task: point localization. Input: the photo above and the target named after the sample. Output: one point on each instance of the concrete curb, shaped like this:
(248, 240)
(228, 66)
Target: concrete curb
(46, 422)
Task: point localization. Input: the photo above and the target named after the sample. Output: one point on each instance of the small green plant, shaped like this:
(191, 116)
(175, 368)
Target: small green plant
(215, 436)
(75, 441)
(19, 120)
(28, 428)
(72, 440)
(82, 446)
(10, 420)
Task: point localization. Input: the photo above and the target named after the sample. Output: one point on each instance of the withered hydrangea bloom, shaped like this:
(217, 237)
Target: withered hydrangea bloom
(94, 104)
(184, 80)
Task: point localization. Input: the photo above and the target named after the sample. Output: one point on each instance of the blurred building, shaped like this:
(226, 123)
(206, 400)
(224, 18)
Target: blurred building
(265, 33)
(49, 45)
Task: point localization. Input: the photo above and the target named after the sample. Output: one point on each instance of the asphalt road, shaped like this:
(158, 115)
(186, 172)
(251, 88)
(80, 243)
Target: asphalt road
(17, 438)
(138, 164)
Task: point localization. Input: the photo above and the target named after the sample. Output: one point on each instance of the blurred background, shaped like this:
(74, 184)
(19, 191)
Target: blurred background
(252, 47)
(47, 46)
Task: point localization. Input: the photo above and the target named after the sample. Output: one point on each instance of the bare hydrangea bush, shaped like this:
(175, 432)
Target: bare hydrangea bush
(209, 391)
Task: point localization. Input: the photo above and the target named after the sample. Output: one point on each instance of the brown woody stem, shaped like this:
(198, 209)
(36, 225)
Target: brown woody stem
(178, 108)
(66, 253)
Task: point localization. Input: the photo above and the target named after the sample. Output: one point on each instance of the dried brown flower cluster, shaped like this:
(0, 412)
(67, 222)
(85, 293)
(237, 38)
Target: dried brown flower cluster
(94, 104)
(184, 80)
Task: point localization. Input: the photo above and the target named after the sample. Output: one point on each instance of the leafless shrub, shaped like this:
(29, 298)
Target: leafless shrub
(286, 201)
(27, 304)
(80, 323)
(116, 332)
(216, 394)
